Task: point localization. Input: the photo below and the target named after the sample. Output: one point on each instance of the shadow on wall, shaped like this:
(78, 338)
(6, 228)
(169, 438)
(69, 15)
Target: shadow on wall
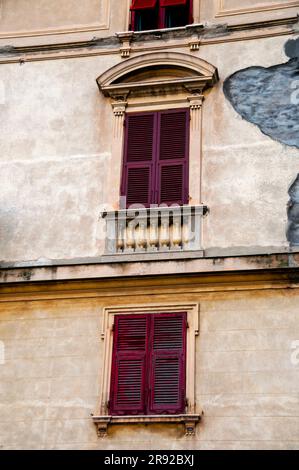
(269, 98)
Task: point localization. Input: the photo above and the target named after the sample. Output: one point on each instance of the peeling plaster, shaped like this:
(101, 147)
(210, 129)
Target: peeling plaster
(269, 97)
(293, 214)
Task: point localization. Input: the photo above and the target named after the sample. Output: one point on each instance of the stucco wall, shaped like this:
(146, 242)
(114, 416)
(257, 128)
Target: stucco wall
(245, 380)
(55, 137)
(56, 21)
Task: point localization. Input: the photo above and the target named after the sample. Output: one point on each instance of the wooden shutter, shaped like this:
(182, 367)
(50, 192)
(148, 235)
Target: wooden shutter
(142, 4)
(168, 364)
(138, 165)
(172, 3)
(173, 154)
(129, 367)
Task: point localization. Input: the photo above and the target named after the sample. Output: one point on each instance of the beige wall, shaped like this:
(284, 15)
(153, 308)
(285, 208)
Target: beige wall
(246, 383)
(55, 138)
(42, 22)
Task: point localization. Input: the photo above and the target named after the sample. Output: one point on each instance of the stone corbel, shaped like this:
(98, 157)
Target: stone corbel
(194, 43)
(102, 426)
(125, 40)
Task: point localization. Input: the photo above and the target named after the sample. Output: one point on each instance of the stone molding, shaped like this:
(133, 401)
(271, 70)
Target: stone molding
(193, 319)
(222, 11)
(99, 26)
(189, 421)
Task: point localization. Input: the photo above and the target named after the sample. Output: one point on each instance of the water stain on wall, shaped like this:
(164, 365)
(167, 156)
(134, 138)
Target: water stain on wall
(269, 97)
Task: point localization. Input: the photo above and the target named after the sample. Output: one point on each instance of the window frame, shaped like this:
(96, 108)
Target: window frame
(193, 320)
(156, 163)
(161, 18)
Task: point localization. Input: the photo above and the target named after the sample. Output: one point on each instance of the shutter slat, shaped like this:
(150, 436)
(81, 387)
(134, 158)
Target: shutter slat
(128, 376)
(173, 157)
(168, 359)
(173, 136)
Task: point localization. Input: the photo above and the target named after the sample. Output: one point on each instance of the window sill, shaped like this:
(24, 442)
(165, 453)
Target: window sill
(189, 420)
(160, 31)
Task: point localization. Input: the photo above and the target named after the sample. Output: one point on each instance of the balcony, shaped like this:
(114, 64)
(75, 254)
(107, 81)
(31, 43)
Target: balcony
(154, 230)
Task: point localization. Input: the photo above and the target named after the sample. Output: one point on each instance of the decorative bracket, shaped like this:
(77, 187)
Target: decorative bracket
(125, 40)
(194, 43)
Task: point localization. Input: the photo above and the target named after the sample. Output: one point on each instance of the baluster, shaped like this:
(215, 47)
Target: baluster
(177, 233)
(141, 235)
(130, 237)
(164, 234)
(120, 235)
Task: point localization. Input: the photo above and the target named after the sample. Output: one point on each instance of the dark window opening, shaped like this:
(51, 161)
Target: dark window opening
(146, 19)
(160, 14)
(176, 16)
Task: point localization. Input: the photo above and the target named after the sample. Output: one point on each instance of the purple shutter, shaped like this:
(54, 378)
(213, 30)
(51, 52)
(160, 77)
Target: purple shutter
(138, 163)
(172, 3)
(129, 365)
(143, 4)
(173, 153)
(168, 364)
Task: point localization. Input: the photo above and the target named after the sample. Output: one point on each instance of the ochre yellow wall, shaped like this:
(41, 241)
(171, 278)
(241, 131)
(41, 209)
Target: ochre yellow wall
(245, 380)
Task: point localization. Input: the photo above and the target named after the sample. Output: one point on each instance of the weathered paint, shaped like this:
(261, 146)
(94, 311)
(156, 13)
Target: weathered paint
(267, 97)
(293, 213)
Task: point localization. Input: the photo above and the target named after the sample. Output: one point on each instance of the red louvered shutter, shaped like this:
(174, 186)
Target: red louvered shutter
(129, 365)
(173, 153)
(139, 152)
(168, 364)
(172, 3)
(142, 4)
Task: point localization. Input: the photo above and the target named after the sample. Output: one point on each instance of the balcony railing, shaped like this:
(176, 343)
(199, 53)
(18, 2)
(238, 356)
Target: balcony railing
(155, 229)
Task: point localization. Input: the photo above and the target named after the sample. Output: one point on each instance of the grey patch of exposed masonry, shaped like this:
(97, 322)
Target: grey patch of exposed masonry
(292, 48)
(293, 214)
(269, 97)
(266, 97)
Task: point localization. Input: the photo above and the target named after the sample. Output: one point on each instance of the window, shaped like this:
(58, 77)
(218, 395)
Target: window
(156, 14)
(148, 370)
(156, 158)
(149, 364)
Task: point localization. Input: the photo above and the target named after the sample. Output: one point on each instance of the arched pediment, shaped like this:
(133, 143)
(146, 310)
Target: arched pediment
(158, 73)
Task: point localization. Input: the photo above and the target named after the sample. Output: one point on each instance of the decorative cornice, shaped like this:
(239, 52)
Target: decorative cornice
(110, 45)
(199, 75)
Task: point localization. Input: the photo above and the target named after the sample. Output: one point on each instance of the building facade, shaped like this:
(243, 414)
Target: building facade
(149, 225)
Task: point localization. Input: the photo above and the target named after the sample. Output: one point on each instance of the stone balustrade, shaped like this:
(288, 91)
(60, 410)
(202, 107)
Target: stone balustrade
(155, 229)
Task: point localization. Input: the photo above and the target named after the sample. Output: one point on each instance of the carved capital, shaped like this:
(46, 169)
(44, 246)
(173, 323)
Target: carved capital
(196, 101)
(119, 108)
